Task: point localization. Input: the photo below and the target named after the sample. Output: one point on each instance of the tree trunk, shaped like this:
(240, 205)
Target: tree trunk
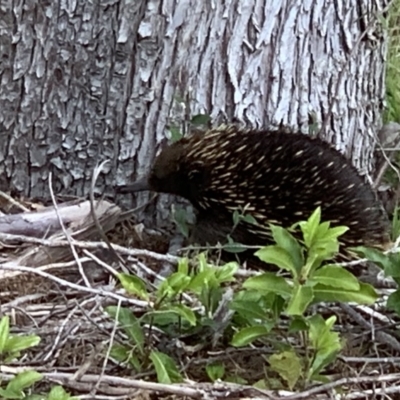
(83, 81)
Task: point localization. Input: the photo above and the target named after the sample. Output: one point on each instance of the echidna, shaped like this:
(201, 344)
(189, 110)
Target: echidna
(277, 178)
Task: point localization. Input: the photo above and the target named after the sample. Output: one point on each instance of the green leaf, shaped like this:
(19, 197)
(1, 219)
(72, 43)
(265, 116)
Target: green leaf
(201, 280)
(203, 265)
(210, 298)
(133, 285)
(181, 220)
(162, 318)
(322, 250)
(16, 344)
(226, 272)
(130, 324)
(236, 217)
(250, 310)
(134, 361)
(176, 283)
(313, 262)
(200, 119)
(302, 297)
(263, 384)
(269, 282)
(24, 380)
(320, 335)
(249, 334)
(325, 243)
(11, 394)
(123, 354)
(134, 331)
(287, 242)
(120, 352)
(215, 371)
(395, 224)
(325, 342)
(183, 266)
(337, 277)
(335, 232)
(4, 332)
(288, 365)
(233, 247)
(322, 230)
(184, 312)
(58, 393)
(176, 134)
(321, 360)
(249, 219)
(249, 296)
(277, 305)
(309, 227)
(365, 295)
(298, 324)
(393, 302)
(277, 256)
(236, 379)
(166, 369)
(379, 258)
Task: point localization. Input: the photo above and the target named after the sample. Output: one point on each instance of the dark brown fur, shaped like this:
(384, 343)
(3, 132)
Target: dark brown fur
(279, 178)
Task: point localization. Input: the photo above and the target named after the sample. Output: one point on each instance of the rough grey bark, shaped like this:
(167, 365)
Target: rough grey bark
(81, 82)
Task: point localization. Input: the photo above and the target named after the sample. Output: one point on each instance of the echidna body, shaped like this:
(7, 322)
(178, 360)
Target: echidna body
(277, 178)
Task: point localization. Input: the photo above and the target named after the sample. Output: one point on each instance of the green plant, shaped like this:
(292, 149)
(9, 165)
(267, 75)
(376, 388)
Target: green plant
(11, 347)
(16, 387)
(260, 307)
(311, 280)
(238, 216)
(181, 220)
(169, 313)
(269, 297)
(389, 262)
(58, 393)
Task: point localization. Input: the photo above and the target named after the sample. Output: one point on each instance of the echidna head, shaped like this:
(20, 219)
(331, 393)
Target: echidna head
(167, 174)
